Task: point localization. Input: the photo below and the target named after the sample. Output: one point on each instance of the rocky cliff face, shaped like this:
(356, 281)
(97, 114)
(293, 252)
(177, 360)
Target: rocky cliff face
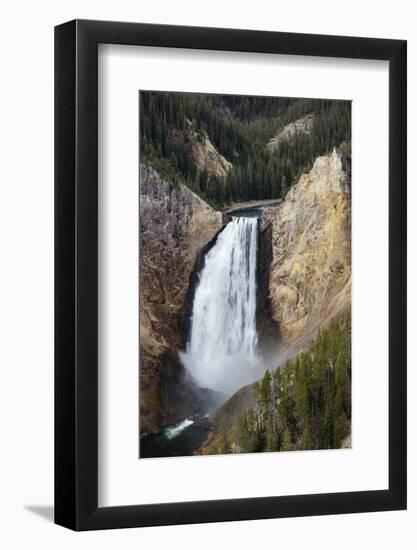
(311, 242)
(303, 125)
(175, 225)
(268, 330)
(207, 157)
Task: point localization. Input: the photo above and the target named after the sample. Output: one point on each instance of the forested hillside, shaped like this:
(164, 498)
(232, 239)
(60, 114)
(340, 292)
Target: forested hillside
(173, 126)
(306, 404)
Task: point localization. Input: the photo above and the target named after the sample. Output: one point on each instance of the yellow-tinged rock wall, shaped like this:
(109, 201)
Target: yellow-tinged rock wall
(311, 242)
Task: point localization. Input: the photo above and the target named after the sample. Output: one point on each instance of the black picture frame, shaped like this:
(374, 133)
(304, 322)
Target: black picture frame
(76, 272)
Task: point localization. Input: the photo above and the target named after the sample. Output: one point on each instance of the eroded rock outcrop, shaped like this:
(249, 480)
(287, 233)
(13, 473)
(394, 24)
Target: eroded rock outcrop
(303, 125)
(175, 225)
(207, 157)
(311, 242)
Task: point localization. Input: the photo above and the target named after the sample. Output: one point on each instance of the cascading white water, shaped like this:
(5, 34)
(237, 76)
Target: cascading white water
(222, 349)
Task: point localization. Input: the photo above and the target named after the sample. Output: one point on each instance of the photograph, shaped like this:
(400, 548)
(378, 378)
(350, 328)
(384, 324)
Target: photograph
(244, 274)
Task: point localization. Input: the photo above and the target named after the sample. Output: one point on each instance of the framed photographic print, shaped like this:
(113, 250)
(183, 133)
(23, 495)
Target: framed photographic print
(230, 245)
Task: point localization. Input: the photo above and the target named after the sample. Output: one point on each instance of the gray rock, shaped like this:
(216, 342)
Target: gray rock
(175, 225)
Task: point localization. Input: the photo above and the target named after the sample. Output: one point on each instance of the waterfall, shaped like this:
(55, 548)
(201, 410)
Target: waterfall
(221, 352)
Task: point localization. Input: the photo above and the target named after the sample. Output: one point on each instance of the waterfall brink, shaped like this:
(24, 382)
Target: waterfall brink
(221, 352)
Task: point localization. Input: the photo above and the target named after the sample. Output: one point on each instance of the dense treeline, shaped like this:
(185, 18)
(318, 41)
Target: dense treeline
(239, 128)
(306, 404)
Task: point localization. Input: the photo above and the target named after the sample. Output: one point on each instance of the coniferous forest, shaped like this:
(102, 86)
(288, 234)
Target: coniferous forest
(305, 404)
(239, 128)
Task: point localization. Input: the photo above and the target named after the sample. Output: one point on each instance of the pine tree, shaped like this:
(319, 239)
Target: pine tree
(265, 393)
(341, 426)
(244, 434)
(286, 440)
(306, 442)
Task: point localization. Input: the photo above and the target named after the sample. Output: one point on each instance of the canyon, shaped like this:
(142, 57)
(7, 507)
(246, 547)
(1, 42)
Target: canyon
(303, 271)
